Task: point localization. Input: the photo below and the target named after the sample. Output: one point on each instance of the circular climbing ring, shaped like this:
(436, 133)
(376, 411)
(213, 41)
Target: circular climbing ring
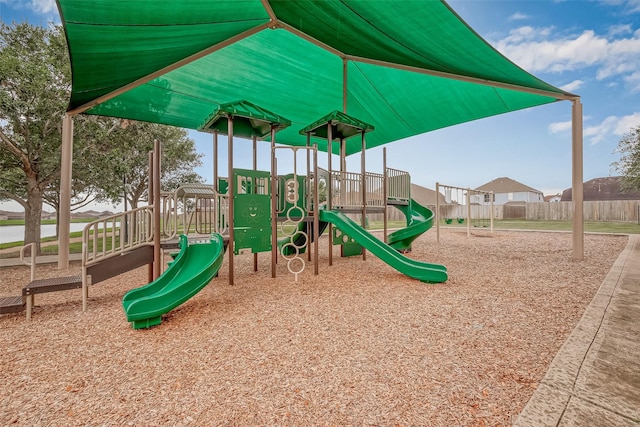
(291, 265)
(291, 186)
(293, 209)
(289, 228)
(295, 254)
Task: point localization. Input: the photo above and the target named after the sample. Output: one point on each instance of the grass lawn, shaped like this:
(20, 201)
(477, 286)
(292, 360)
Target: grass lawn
(44, 221)
(589, 226)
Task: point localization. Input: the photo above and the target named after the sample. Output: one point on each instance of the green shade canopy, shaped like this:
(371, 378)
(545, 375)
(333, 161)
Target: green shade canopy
(407, 67)
(249, 120)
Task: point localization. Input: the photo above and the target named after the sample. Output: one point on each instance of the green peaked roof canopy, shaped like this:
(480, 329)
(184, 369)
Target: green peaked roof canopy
(343, 126)
(407, 67)
(249, 120)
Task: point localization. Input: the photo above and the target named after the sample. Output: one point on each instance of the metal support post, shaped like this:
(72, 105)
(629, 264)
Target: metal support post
(231, 192)
(577, 178)
(66, 163)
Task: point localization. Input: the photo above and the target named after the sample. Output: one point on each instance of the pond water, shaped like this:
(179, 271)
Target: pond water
(14, 233)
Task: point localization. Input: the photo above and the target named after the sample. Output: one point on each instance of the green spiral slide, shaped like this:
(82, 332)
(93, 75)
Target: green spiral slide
(191, 270)
(425, 272)
(419, 220)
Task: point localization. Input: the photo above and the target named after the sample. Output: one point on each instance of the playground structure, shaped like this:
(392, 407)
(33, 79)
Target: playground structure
(464, 206)
(510, 89)
(254, 211)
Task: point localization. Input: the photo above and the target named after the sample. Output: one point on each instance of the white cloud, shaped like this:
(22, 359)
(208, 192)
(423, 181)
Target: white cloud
(633, 81)
(611, 127)
(626, 123)
(559, 127)
(574, 85)
(630, 6)
(43, 6)
(518, 17)
(633, 6)
(539, 50)
(620, 29)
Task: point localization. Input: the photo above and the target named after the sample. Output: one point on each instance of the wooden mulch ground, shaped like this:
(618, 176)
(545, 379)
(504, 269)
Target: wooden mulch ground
(360, 344)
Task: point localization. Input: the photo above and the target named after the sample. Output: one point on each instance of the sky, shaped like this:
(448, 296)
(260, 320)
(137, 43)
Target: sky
(589, 48)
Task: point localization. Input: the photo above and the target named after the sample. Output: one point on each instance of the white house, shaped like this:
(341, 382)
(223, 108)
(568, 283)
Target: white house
(506, 190)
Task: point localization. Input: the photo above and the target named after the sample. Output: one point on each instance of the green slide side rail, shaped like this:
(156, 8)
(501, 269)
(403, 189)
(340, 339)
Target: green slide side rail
(419, 220)
(425, 272)
(191, 270)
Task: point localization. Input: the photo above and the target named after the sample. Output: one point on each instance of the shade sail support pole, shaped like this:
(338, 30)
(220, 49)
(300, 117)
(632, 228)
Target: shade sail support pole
(157, 253)
(308, 200)
(150, 196)
(385, 191)
(316, 208)
(343, 172)
(231, 192)
(577, 180)
(437, 215)
(330, 189)
(66, 162)
(274, 206)
(255, 167)
(344, 86)
(215, 163)
(363, 172)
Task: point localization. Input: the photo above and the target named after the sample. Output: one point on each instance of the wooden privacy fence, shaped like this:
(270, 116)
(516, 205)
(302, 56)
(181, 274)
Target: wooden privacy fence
(604, 211)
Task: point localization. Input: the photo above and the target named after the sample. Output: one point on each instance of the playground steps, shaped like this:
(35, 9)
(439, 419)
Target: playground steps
(25, 301)
(42, 286)
(53, 284)
(99, 271)
(11, 304)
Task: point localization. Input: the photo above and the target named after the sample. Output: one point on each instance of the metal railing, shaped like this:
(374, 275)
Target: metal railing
(398, 185)
(32, 258)
(347, 189)
(115, 234)
(375, 189)
(196, 208)
(169, 215)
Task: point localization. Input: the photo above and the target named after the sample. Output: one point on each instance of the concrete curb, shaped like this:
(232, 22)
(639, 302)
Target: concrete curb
(595, 377)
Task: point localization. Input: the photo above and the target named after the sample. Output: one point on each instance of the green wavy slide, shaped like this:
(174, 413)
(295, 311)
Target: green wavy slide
(423, 271)
(191, 270)
(419, 220)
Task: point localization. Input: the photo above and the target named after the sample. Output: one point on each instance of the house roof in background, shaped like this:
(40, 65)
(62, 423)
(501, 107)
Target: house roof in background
(507, 185)
(425, 196)
(606, 188)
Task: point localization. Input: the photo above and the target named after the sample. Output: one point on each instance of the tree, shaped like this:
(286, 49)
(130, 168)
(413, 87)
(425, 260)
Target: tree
(629, 164)
(34, 87)
(34, 91)
(131, 142)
